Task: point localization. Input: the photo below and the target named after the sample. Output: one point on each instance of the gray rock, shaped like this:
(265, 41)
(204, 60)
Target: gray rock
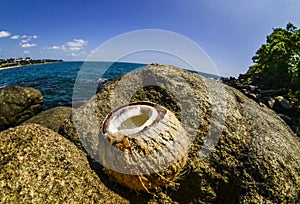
(40, 166)
(249, 157)
(18, 104)
(52, 118)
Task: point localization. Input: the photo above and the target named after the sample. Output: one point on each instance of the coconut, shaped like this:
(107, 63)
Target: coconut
(149, 146)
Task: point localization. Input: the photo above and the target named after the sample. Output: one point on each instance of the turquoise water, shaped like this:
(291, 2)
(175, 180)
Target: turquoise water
(56, 81)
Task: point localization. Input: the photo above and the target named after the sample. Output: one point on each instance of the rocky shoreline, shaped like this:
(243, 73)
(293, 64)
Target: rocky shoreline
(51, 156)
(257, 88)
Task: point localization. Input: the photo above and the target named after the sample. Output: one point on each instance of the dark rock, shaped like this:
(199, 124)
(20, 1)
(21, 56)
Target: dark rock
(52, 118)
(276, 92)
(295, 128)
(259, 88)
(18, 104)
(252, 96)
(249, 157)
(244, 90)
(40, 166)
(283, 102)
(287, 119)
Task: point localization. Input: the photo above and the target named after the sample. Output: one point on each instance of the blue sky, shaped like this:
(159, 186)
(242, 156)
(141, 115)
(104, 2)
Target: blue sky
(229, 31)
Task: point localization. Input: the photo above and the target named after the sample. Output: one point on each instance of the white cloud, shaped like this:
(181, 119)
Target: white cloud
(27, 45)
(26, 52)
(73, 48)
(15, 37)
(25, 40)
(0, 50)
(28, 37)
(55, 47)
(4, 34)
(77, 43)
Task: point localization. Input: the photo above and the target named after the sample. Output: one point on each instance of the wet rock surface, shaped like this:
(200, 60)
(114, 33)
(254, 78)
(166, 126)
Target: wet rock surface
(241, 152)
(18, 104)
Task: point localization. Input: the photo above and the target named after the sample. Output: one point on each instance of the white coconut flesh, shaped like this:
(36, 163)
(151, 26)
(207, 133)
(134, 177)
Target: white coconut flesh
(131, 120)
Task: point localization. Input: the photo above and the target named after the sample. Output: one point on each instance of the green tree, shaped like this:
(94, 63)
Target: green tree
(279, 58)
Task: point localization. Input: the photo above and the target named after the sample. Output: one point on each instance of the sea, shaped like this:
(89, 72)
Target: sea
(56, 81)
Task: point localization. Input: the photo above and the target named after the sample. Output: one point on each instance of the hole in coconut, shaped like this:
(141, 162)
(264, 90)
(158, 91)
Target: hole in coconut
(131, 119)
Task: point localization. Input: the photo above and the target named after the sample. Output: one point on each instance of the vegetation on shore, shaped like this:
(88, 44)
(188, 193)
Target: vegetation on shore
(278, 61)
(12, 62)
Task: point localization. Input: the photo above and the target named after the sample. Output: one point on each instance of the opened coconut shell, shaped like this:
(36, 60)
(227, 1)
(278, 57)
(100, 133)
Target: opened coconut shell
(148, 146)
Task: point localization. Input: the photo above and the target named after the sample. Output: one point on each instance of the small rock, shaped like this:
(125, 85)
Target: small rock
(283, 102)
(252, 88)
(253, 96)
(262, 104)
(18, 104)
(270, 102)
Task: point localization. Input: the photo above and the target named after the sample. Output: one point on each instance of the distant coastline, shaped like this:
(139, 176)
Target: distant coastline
(20, 62)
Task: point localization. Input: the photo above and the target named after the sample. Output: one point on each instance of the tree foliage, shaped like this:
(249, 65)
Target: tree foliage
(279, 58)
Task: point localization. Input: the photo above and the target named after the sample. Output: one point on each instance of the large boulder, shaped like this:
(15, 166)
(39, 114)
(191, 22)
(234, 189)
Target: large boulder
(52, 118)
(18, 104)
(40, 166)
(240, 152)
